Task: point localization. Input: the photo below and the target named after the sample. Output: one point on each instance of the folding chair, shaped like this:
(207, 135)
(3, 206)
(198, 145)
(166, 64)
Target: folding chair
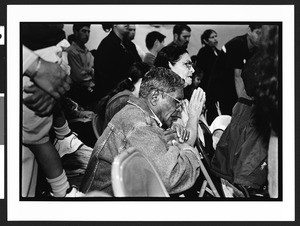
(208, 184)
(133, 175)
(97, 126)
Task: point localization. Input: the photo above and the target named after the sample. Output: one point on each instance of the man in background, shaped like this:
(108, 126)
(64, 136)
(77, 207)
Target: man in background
(181, 35)
(154, 43)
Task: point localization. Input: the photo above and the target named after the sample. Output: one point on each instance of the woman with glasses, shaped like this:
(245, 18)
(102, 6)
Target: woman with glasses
(179, 61)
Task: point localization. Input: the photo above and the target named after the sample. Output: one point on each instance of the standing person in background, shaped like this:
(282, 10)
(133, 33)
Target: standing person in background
(225, 84)
(113, 58)
(241, 155)
(154, 43)
(207, 55)
(181, 35)
(131, 35)
(81, 62)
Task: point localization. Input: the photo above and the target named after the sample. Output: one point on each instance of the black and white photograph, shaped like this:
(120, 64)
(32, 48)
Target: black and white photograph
(165, 110)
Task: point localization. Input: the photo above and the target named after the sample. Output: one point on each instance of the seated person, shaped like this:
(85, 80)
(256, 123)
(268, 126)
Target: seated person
(117, 98)
(139, 124)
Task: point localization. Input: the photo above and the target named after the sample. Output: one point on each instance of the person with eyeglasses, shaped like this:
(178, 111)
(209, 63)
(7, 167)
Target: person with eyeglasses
(179, 61)
(141, 124)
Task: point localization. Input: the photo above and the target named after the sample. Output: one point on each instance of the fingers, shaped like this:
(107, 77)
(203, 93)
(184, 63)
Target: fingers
(40, 102)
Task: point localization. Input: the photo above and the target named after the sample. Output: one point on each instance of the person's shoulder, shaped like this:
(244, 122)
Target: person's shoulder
(237, 41)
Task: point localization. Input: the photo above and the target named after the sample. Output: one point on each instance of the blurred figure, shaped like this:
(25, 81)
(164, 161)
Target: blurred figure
(45, 71)
(154, 43)
(207, 55)
(225, 84)
(241, 155)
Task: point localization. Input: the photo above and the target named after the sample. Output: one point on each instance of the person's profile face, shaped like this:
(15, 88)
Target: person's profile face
(170, 108)
(131, 31)
(184, 68)
(196, 81)
(184, 38)
(122, 28)
(160, 45)
(255, 36)
(213, 40)
(83, 34)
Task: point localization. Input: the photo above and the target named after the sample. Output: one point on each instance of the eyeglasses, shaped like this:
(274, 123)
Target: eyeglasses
(188, 64)
(178, 102)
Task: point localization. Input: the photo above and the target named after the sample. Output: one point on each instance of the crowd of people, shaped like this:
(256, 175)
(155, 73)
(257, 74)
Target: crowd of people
(163, 102)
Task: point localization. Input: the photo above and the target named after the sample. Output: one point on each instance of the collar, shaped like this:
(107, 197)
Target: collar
(142, 105)
(76, 46)
(156, 118)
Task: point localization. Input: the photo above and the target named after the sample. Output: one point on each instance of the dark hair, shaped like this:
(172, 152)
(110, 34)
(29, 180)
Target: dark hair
(178, 28)
(136, 71)
(71, 38)
(266, 93)
(78, 26)
(152, 37)
(160, 78)
(254, 26)
(171, 53)
(206, 34)
(107, 26)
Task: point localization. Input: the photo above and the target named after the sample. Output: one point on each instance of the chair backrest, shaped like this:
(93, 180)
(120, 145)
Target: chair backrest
(133, 175)
(97, 126)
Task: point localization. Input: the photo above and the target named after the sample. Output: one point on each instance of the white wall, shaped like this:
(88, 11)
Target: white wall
(225, 33)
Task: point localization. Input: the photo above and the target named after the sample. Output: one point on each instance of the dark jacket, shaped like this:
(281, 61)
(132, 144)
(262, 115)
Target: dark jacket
(112, 62)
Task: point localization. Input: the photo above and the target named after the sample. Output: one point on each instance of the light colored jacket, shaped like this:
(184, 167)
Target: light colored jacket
(135, 126)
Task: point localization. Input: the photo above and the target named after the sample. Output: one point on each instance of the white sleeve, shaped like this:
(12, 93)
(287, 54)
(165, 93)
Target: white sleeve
(28, 58)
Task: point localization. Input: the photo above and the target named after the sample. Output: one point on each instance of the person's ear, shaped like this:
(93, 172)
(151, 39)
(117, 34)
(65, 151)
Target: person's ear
(154, 97)
(175, 36)
(155, 43)
(206, 42)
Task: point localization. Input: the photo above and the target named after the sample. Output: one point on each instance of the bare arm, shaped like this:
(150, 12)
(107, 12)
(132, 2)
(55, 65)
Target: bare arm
(239, 84)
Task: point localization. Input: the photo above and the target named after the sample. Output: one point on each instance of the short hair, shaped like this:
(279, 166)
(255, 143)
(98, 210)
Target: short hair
(170, 53)
(107, 26)
(206, 34)
(78, 26)
(254, 26)
(152, 37)
(159, 78)
(178, 28)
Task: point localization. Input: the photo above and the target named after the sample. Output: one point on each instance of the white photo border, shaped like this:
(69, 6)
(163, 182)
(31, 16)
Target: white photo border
(154, 210)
